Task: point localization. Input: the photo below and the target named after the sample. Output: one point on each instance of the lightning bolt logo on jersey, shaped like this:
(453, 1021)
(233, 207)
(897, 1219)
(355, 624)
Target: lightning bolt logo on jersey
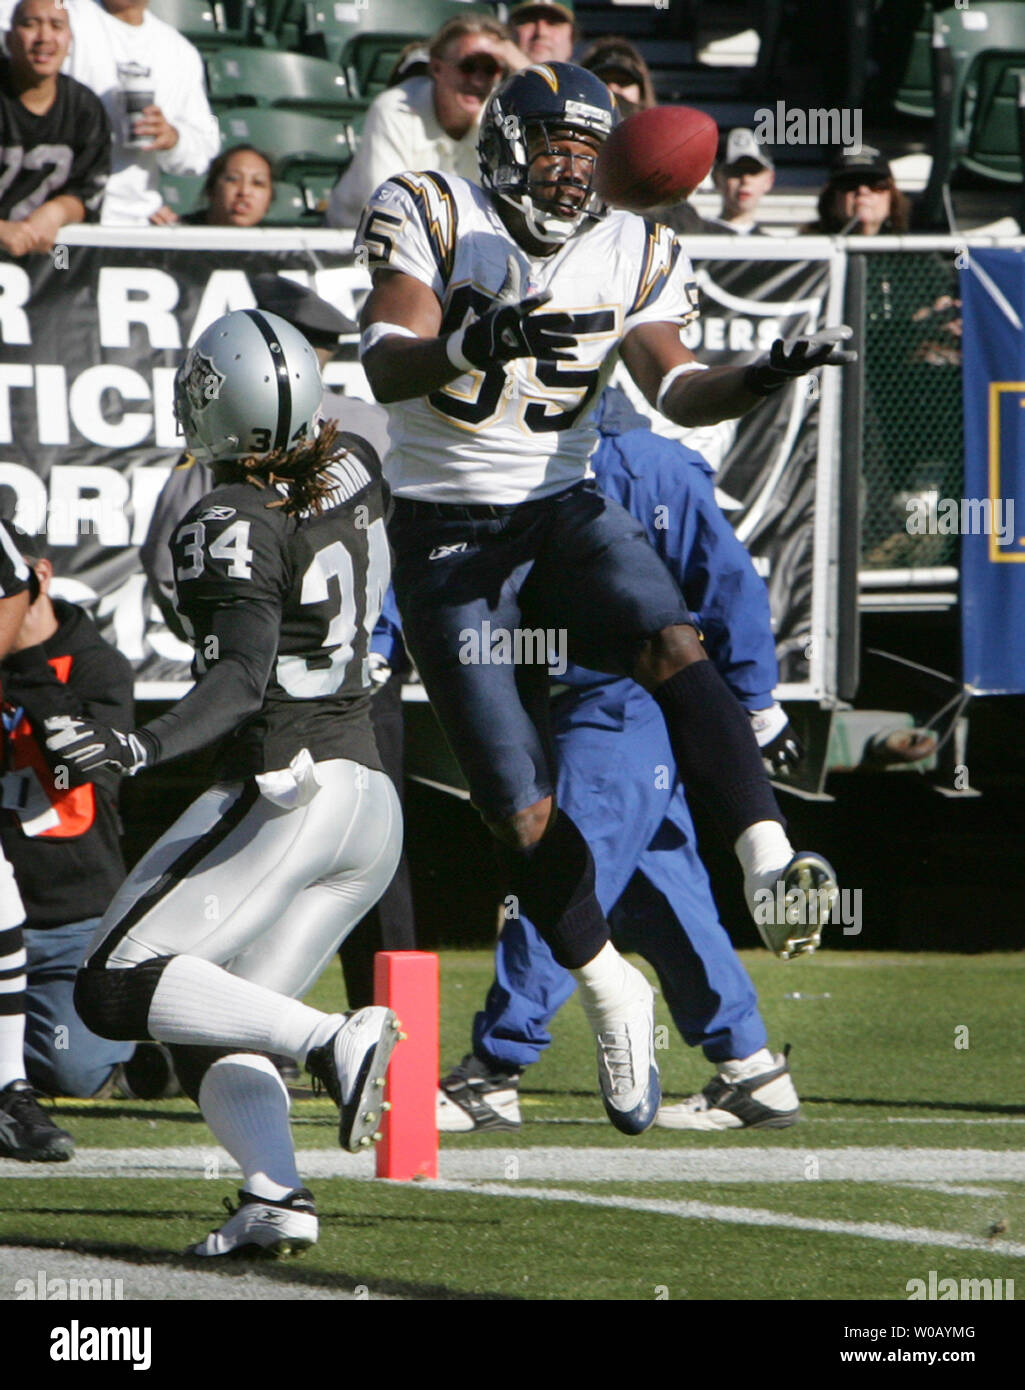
(294, 600)
(519, 429)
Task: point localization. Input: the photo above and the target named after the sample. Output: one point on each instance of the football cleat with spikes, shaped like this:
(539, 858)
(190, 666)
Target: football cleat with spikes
(259, 1227)
(627, 1070)
(476, 1095)
(351, 1068)
(802, 902)
(767, 1101)
(26, 1130)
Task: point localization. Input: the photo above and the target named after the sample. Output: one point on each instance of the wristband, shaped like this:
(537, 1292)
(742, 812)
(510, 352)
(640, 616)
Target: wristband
(454, 351)
(671, 376)
(377, 331)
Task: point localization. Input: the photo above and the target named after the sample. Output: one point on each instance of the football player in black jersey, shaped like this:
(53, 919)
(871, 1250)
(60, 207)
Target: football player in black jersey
(231, 916)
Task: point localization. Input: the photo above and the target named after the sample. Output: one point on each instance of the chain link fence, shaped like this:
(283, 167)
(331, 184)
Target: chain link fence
(912, 450)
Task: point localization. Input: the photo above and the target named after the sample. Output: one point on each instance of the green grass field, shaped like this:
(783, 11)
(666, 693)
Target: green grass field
(908, 1160)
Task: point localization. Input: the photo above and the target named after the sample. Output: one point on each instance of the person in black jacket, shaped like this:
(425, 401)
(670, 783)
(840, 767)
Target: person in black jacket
(60, 829)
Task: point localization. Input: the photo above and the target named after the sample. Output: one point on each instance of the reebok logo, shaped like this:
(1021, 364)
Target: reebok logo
(440, 551)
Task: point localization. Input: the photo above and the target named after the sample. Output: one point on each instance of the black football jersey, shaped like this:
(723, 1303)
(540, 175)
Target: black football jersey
(65, 150)
(284, 605)
(13, 569)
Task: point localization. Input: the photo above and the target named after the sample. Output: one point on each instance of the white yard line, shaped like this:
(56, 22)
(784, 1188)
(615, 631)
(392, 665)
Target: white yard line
(561, 1164)
(750, 1216)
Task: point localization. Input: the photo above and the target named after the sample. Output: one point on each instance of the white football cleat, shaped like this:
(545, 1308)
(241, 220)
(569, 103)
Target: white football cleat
(352, 1067)
(766, 1101)
(478, 1096)
(627, 1070)
(791, 906)
(259, 1227)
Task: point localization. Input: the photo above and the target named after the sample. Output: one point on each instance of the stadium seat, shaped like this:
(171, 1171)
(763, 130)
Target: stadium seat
(331, 27)
(914, 94)
(193, 18)
(289, 208)
(266, 77)
(368, 60)
(182, 192)
(295, 141)
(991, 139)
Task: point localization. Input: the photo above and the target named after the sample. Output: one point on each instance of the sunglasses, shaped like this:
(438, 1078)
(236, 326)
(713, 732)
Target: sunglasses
(875, 183)
(479, 63)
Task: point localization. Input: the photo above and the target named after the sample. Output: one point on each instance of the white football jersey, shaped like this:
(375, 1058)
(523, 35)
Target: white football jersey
(520, 429)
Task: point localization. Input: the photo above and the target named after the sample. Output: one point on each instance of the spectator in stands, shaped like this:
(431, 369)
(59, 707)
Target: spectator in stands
(126, 55)
(623, 70)
(744, 173)
(60, 828)
(861, 197)
(545, 31)
(239, 190)
(54, 133)
(429, 122)
(413, 61)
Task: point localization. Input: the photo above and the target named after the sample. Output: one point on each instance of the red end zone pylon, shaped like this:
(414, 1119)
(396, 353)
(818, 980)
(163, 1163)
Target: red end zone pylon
(407, 981)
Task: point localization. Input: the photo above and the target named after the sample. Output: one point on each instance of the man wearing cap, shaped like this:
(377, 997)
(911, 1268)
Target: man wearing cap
(743, 175)
(545, 31)
(429, 122)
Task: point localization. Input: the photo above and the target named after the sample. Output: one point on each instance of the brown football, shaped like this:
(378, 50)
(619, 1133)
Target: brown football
(656, 156)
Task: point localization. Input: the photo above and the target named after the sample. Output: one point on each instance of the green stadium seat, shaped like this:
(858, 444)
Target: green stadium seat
(289, 208)
(182, 192)
(368, 60)
(294, 140)
(193, 18)
(267, 77)
(331, 25)
(991, 141)
(914, 95)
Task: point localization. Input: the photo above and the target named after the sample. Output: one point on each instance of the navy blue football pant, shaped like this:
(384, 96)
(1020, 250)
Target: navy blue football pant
(617, 780)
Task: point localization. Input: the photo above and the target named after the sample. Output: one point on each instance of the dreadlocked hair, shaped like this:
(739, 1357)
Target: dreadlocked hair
(303, 471)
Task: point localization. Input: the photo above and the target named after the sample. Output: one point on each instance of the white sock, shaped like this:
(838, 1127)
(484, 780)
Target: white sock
(12, 1046)
(12, 1025)
(756, 1065)
(763, 850)
(246, 1104)
(198, 1002)
(603, 981)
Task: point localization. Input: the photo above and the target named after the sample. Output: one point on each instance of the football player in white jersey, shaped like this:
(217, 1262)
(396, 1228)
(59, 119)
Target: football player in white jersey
(495, 318)
(221, 927)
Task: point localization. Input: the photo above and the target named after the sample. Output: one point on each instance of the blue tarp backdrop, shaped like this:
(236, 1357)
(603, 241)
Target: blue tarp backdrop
(993, 540)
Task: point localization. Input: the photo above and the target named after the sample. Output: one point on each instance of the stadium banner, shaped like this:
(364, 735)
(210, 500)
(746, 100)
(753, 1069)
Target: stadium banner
(778, 468)
(92, 336)
(992, 544)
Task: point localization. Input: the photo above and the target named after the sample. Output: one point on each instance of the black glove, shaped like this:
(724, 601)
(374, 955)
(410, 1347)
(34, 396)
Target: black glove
(87, 746)
(780, 747)
(513, 330)
(798, 357)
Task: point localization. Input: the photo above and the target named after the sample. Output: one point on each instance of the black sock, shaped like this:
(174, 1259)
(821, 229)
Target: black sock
(554, 882)
(715, 749)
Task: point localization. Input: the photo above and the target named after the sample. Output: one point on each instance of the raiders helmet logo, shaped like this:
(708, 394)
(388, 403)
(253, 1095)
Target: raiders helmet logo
(202, 382)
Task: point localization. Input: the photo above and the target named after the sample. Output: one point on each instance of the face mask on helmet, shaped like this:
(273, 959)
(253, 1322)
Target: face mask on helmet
(527, 115)
(249, 385)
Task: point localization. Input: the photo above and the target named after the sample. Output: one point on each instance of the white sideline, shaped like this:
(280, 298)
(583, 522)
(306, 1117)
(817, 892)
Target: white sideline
(752, 1216)
(586, 1164)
